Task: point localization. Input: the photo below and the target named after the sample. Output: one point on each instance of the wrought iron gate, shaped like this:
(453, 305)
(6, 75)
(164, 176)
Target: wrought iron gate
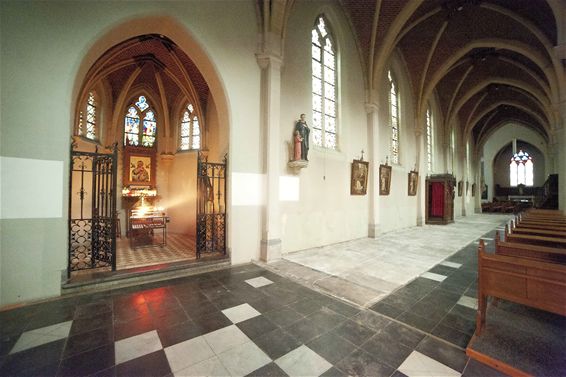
(211, 206)
(92, 210)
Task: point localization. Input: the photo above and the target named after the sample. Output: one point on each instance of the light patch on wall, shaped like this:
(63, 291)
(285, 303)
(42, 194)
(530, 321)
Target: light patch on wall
(31, 189)
(289, 188)
(247, 189)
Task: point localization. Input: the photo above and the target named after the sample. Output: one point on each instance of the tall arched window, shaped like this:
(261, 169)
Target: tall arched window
(521, 169)
(88, 117)
(394, 117)
(189, 132)
(132, 132)
(429, 139)
(323, 85)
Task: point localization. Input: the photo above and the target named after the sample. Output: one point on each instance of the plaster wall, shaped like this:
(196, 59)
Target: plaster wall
(501, 165)
(325, 212)
(42, 68)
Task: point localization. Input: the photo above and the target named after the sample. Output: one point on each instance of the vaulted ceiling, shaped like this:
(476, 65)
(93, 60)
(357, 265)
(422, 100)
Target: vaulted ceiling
(487, 62)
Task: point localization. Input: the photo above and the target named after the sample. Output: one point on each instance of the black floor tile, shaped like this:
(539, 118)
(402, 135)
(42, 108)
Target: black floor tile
(399, 301)
(200, 310)
(390, 353)
(442, 270)
(127, 313)
(154, 364)
(87, 363)
(134, 327)
(372, 320)
(283, 317)
(110, 372)
(443, 353)
(92, 309)
(434, 312)
(398, 374)
(269, 370)
(305, 330)
(305, 306)
(99, 321)
(354, 332)
(459, 323)
(388, 310)
(277, 343)
(442, 298)
(421, 323)
(332, 347)
(89, 340)
(451, 335)
(266, 304)
(47, 317)
(256, 326)
(402, 334)
(334, 372)
(228, 301)
(212, 322)
(327, 318)
(171, 318)
(159, 309)
(477, 369)
(361, 363)
(459, 289)
(33, 358)
(7, 343)
(464, 311)
(179, 333)
(342, 308)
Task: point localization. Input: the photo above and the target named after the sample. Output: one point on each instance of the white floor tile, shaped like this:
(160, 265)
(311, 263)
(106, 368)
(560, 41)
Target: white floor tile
(244, 359)
(225, 339)
(187, 353)
(419, 365)
(136, 346)
(469, 302)
(451, 264)
(487, 239)
(259, 282)
(433, 276)
(210, 367)
(240, 313)
(303, 361)
(43, 335)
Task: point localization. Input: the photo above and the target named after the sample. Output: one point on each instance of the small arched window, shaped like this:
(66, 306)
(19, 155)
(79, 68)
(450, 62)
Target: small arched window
(189, 131)
(394, 117)
(429, 139)
(521, 169)
(88, 117)
(134, 135)
(323, 85)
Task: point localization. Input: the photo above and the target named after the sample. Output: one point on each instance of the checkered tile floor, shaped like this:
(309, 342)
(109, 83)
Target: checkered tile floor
(244, 321)
(180, 247)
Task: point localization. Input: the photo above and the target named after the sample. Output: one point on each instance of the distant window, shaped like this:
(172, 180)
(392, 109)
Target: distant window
(87, 118)
(521, 169)
(133, 134)
(394, 117)
(323, 85)
(189, 134)
(429, 139)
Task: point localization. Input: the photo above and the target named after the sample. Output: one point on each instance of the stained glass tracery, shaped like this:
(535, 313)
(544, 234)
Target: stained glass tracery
(521, 169)
(394, 118)
(429, 139)
(132, 131)
(190, 130)
(88, 117)
(323, 86)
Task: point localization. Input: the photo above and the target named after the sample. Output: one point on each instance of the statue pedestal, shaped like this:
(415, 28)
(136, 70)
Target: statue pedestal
(297, 165)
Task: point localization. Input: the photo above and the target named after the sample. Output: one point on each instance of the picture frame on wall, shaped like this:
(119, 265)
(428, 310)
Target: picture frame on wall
(460, 187)
(139, 168)
(413, 183)
(384, 179)
(359, 177)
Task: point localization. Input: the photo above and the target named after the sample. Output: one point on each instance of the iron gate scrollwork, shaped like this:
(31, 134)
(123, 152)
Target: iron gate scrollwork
(211, 206)
(92, 210)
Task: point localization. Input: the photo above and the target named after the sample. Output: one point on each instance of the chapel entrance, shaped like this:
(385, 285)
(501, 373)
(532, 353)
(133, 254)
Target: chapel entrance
(167, 202)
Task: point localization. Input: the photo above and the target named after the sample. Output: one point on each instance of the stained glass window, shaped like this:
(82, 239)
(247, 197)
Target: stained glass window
(133, 134)
(323, 54)
(429, 139)
(189, 135)
(87, 118)
(521, 169)
(394, 118)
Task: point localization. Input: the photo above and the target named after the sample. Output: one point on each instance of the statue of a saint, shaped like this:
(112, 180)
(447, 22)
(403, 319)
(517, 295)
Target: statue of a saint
(304, 131)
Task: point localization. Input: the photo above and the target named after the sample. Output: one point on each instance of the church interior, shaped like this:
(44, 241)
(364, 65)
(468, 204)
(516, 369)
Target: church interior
(283, 188)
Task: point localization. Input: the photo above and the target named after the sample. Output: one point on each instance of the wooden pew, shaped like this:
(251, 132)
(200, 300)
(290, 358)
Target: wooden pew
(537, 240)
(537, 252)
(537, 226)
(541, 285)
(540, 232)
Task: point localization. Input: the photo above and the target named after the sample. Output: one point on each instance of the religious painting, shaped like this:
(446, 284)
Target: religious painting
(359, 181)
(473, 189)
(139, 169)
(384, 179)
(460, 187)
(413, 183)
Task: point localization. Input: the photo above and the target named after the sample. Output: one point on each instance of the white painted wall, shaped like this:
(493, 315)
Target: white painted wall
(325, 213)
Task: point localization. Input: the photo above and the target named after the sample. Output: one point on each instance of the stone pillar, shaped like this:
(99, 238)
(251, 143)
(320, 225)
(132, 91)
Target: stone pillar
(422, 168)
(478, 181)
(270, 117)
(463, 160)
(373, 156)
(560, 164)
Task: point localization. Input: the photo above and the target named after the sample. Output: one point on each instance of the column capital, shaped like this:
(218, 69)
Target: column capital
(371, 107)
(264, 60)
